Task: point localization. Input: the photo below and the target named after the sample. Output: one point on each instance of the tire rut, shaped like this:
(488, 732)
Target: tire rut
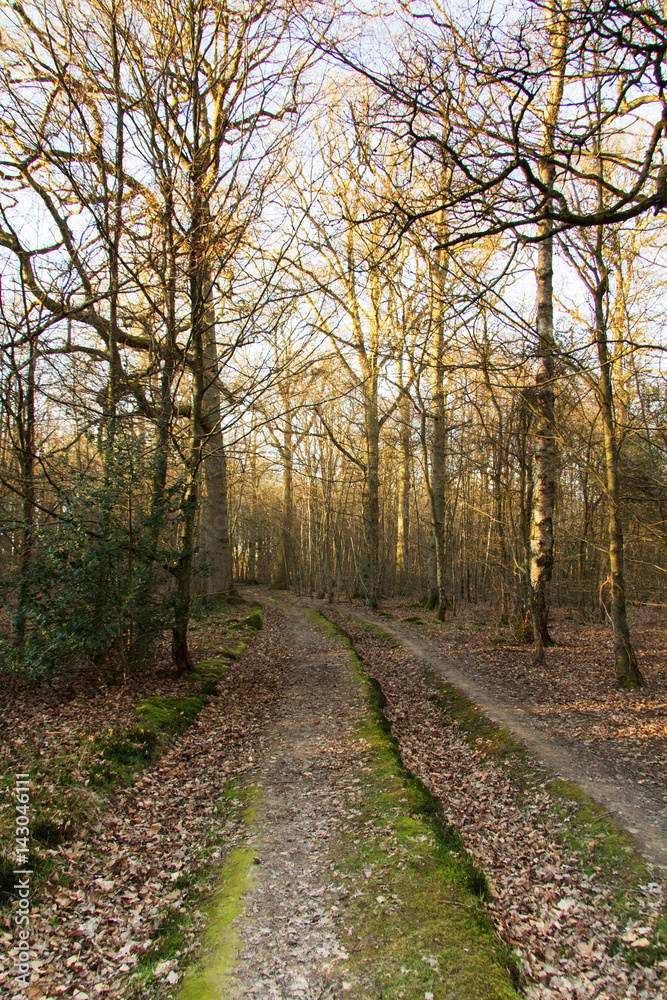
(289, 944)
(639, 812)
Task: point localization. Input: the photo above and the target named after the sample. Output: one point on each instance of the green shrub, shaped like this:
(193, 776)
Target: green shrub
(95, 588)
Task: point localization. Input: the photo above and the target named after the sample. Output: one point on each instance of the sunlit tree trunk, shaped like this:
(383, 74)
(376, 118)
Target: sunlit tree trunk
(544, 488)
(625, 660)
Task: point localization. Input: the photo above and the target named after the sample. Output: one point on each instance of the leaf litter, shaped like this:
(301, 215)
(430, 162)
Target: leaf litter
(561, 920)
(99, 917)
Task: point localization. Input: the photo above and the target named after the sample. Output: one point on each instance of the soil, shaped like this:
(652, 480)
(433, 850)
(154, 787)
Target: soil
(305, 773)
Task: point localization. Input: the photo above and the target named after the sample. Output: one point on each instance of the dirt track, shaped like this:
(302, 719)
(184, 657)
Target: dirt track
(640, 810)
(304, 771)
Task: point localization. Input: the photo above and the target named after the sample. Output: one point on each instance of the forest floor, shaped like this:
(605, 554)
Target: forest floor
(281, 830)
(569, 712)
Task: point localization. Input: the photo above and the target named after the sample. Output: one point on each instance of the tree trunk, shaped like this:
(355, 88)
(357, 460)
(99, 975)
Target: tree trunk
(544, 485)
(431, 602)
(438, 440)
(501, 534)
(284, 562)
(628, 673)
(182, 569)
(371, 494)
(215, 506)
(166, 404)
(199, 293)
(403, 514)
(253, 553)
(544, 489)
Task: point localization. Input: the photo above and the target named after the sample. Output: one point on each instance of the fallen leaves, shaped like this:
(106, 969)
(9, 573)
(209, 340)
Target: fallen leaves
(561, 923)
(129, 870)
(98, 917)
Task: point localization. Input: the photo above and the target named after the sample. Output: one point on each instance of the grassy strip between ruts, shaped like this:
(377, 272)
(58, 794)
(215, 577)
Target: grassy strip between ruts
(589, 831)
(604, 849)
(67, 790)
(415, 916)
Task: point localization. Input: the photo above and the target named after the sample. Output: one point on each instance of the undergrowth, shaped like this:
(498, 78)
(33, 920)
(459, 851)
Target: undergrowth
(67, 790)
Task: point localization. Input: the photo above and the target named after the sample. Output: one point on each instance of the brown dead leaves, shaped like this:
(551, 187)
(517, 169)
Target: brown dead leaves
(561, 923)
(99, 915)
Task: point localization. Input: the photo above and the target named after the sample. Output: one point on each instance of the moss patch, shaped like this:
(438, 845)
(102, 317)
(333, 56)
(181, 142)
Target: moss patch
(170, 715)
(415, 920)
(216, 888)
(255, 619)
(213, 977)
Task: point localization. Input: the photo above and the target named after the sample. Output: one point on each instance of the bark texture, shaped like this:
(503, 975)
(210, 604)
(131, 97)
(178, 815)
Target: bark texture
(628, 673)
(544, 487)
(215, 503)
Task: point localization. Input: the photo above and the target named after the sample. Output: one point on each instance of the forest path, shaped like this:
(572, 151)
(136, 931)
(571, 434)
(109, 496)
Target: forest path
(315, 923)
(640, 810)
(303, 777)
